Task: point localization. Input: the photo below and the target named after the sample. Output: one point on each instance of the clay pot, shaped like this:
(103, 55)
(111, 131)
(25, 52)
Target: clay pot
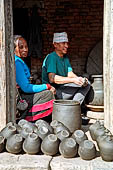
(2, 143)
(31, 144)
(93, 127)
(25, 132)
(25, 124)
(106, 148)
(14, 144)
(87, 150)
(99, 132)
(79, 136)
(68, 148)
(8, 131)
(58, 126)
(43, 132)
(97, 86)
(50, 145)
(68, 112)
(63, 134)
(39, 123)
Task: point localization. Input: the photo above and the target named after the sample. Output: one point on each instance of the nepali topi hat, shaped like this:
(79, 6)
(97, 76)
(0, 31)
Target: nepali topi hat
(60, 37)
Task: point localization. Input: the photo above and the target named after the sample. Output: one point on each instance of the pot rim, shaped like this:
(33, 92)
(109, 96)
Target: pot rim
(66, 102)
(97, 75)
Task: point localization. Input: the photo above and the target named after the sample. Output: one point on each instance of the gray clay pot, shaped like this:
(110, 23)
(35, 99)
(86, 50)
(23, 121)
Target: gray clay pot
(8, 131)
(25, 132)
(58, 126)
(99, 132)
(31, 144)
(93, 127)
(2, 143)
(25, 124)
(50, 145)
(106, 148)
(14, 144)
(87, 150)
(63, 134)
(68, 148)
(68, 112)
(39, 123)
(43, 132)
(79, 136)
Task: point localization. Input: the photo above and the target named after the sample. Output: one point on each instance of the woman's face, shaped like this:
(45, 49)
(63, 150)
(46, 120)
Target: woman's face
(21, 49)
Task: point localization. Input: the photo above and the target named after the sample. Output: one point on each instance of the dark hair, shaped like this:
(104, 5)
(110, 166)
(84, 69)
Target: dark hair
(16, 37)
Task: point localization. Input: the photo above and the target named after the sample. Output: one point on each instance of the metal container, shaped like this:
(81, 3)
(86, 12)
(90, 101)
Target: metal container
(98, 98)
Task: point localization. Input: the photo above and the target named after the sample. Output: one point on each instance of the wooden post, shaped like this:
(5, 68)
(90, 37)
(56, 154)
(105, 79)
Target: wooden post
(7, 68)
(108, 64)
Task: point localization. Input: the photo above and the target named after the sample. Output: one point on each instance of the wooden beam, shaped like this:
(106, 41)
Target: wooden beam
(7, 68)
(108, 64)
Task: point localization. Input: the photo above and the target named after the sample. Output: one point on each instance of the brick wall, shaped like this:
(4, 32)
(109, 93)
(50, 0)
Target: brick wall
(81, 19)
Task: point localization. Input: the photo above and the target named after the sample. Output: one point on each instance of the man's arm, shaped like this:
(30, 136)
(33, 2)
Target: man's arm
(53, 78)
(71, 74)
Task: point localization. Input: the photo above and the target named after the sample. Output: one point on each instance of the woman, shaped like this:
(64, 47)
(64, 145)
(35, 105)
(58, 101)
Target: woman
(39, 97)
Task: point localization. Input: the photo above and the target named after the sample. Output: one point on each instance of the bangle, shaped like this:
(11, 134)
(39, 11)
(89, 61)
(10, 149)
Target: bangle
(48, 86)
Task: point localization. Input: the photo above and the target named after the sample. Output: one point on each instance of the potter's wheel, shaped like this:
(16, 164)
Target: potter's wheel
(95, 108)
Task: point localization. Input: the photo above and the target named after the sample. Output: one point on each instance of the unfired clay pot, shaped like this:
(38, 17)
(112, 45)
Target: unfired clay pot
(68, 148)
(106, 148)
(93, 127)
(31, 144)
(68, 112)
(14, 144)
(87, 150)
(79, 136)
(50, 145)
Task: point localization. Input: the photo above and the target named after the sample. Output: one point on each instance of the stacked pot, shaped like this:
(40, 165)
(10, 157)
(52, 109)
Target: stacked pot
(104, 140)
(42, 137)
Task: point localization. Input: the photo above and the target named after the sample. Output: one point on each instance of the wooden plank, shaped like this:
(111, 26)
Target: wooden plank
(7, 69)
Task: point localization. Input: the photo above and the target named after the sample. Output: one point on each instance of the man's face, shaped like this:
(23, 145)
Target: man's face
(21, 49)
(61, 47)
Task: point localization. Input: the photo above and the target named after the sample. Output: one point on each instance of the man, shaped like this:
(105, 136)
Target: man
(57, 71)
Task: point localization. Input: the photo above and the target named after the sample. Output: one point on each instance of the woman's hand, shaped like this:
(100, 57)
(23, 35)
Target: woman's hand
(53, 90)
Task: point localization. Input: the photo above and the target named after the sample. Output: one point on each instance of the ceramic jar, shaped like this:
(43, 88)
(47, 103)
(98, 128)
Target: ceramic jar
(39, 123)
(8, 131)
(68, 112)
(25, 124)
(99, 132)
(63, 134)
(97, 86)
(93, 127)
(58, 126)
(31, 144)
(79, 136)
(87, 150)
(2, 143)
(14, 144)
(68, 148)
(25, 132)
(43, 132)
(106, 148)
(50, 145)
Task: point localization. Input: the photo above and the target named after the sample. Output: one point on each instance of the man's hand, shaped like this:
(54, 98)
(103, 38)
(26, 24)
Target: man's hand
(80, 81)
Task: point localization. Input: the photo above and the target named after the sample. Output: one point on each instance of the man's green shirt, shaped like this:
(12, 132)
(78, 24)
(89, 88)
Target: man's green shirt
(55, 64)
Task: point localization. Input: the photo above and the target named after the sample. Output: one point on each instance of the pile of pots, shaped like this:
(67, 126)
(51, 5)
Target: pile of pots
(42, 137)
(104, 140)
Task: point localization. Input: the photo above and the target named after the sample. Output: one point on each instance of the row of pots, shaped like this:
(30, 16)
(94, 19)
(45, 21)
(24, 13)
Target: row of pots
(50, 138)
(104, 140)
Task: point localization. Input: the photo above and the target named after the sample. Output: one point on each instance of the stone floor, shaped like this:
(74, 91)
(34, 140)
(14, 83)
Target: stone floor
(43, 162)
